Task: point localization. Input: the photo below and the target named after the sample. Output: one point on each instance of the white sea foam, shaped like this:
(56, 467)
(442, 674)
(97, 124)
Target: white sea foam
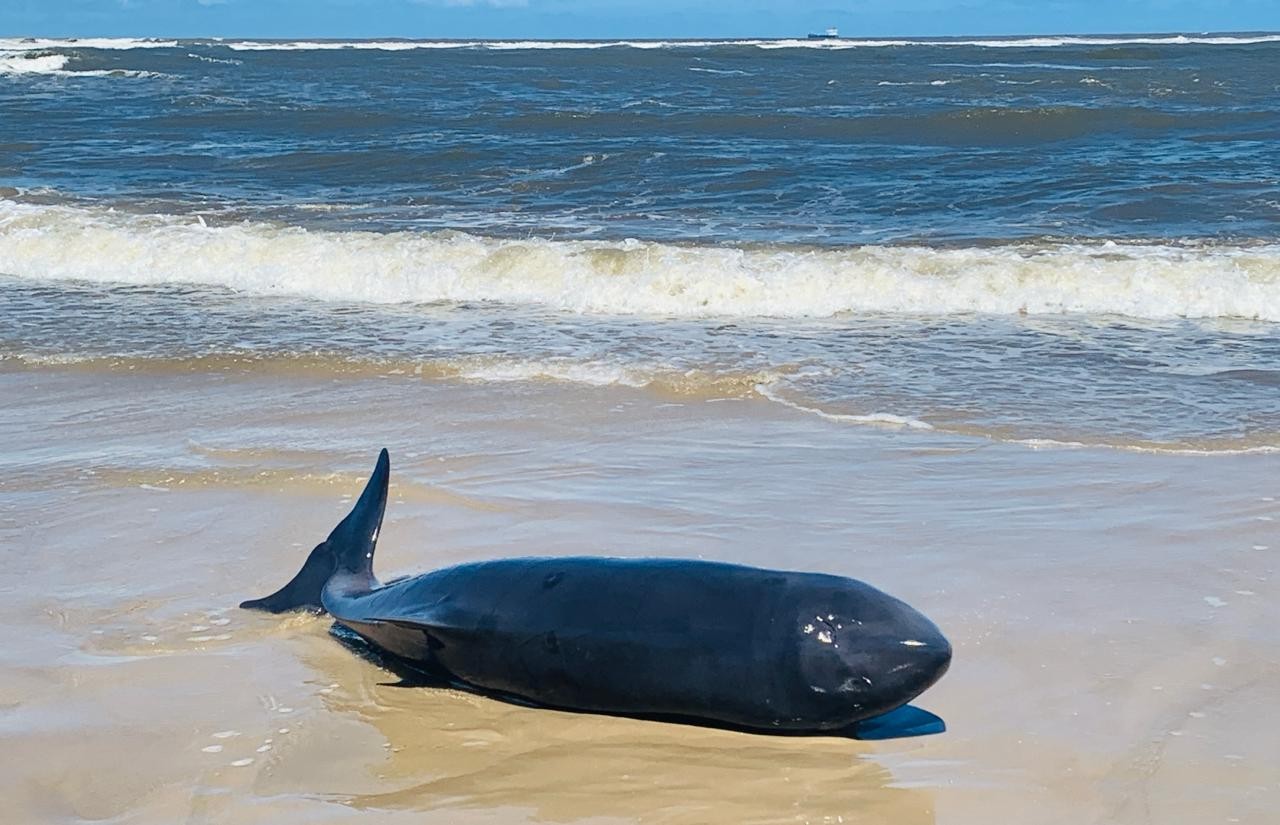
(880, 419)
(12, 44)
(915, 83)
(16, 63)
(220, 60)
(633, 277)
(594, 374)
(1126, 40)
(15, 44)
(27, 64)
(1063, 67)
(332, 45)
(43, 55)
(725, 72)
(1148, 448)
(793, 43)
(769, 390)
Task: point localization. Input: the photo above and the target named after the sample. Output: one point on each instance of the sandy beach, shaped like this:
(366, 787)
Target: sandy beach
(1112, 612)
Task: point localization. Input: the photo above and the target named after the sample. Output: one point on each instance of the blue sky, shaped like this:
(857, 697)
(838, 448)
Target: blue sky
(622, 18)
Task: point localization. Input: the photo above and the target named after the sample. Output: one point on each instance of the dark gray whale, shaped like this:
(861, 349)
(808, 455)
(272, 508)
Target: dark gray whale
(752, 648)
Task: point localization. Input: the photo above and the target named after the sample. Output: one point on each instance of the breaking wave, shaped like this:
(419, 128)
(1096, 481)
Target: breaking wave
(636, 277)
(16, 44)
(27, 63)
(1053, 41)
(32, 64)
(785, 43)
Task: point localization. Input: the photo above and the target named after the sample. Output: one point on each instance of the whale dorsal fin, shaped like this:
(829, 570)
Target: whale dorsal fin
(348, 551)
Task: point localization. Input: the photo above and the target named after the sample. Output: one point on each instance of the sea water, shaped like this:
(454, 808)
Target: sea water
(1065, 240)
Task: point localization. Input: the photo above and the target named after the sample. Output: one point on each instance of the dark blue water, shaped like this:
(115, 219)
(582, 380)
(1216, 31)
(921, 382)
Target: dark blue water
(731, 143)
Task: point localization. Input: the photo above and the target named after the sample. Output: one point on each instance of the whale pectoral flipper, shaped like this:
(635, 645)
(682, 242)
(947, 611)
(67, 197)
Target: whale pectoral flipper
(409, 639)
(899, 723)
(347, 551)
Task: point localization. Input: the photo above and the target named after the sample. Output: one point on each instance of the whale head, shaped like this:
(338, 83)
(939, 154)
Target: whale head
(862, 653)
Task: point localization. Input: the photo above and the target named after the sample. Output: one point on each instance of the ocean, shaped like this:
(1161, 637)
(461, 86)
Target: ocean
(1048, 240)
(993, 323)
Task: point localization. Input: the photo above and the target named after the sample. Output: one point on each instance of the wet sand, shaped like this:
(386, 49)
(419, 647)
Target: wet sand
(1113, 614)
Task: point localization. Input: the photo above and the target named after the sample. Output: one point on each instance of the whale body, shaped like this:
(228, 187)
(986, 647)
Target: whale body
(694, 640)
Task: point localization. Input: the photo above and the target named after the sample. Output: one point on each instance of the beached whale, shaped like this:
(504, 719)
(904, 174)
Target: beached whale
(724, 643)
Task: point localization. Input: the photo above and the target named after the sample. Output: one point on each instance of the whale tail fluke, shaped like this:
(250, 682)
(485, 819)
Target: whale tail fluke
(303, 590)
(355, 537)
(348, 552)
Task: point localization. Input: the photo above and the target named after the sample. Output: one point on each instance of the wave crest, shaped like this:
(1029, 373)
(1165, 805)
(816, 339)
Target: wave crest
(634, 277)
(32, 64)
(13, 44)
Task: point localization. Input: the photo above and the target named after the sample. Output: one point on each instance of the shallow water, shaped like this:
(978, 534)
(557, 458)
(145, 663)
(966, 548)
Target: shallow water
(1175, 385)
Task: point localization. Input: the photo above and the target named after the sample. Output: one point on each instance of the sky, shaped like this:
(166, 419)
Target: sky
(622, 18)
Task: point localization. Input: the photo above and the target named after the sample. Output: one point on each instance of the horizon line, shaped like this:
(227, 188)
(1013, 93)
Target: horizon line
(653, 39)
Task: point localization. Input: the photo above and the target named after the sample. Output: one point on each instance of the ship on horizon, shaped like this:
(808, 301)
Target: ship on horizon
(832, 33)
